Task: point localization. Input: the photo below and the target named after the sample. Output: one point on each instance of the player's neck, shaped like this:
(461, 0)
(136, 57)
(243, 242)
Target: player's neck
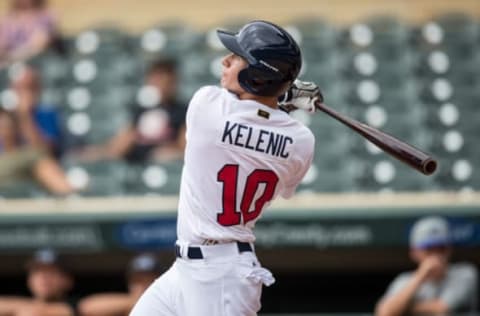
(267, 101)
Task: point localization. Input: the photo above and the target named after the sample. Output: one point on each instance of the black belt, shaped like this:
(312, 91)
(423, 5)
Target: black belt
(196, 252)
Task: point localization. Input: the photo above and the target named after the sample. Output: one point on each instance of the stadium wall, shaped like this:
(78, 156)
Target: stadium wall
(135, 16)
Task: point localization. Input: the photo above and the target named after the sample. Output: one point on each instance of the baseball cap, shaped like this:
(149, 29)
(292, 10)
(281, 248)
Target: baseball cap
(431, 231)
(44, 257)
(144, 263)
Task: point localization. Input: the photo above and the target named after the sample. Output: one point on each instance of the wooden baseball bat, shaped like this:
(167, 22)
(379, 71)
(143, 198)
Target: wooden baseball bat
(410, 155)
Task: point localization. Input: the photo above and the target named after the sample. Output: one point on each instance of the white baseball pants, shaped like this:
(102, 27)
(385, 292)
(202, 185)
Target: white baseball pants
(223, 283)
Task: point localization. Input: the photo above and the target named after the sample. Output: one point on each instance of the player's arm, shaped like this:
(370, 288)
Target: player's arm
(432, 307)
(116, 148)
(112, 304)
(121, 143)
(398, 303)
(173, 150)
(45, 309)
(10, 304)
(181, 141)
(7, 132)
(401, 301)
(28, 127)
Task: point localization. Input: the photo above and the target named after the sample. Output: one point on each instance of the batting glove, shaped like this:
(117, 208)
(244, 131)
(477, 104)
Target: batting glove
(301, 95)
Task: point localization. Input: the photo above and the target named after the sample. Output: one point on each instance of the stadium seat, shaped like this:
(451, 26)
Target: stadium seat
(458, 174)
(171, 39)
(101, 178)
(23, 188)
(387, 174)
(154, 178)
(102, 41)
(316, 37)
(52, 67)
(340, 178)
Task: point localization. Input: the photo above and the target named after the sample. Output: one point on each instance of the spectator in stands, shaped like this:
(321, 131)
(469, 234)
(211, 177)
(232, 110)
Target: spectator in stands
(436, 286)
(26, 30)
(157, 130)
(142, 271)
(49, 283)
(30, 137)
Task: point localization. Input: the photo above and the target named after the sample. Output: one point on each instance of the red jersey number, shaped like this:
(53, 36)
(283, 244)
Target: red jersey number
(228, 175)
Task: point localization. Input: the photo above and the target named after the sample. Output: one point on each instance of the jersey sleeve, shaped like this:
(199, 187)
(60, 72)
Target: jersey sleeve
(199, 100)
(460, 292)
(305, 153)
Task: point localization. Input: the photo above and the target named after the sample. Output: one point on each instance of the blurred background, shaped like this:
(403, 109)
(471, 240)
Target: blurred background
(92, 104)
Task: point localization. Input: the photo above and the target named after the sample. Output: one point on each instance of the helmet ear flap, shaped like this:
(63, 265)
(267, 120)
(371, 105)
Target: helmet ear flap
(253, 83)
(247, 82)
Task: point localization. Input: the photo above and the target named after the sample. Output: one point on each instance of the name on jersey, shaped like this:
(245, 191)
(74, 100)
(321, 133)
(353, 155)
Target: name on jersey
(259, 140)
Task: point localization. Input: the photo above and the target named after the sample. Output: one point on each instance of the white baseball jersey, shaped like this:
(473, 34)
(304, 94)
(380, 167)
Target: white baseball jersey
(240, 155)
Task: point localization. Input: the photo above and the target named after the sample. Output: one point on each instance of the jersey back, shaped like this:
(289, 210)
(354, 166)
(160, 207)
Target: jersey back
(240, 155)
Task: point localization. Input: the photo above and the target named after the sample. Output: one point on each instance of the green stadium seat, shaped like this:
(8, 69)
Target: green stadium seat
(154, 178)
(165, 39)
(52, 68)
(102, 41)
(388, 70)
(100, 178)
(453, 32)
(383, 34)
(440, 63)
(316, 37)
(459, 173)
(387, 174)
(22, 188)
(324, 180)
(458, 26)
(84, 128)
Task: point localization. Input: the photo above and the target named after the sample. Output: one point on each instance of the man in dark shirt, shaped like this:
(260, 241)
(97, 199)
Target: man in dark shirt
(157, 130)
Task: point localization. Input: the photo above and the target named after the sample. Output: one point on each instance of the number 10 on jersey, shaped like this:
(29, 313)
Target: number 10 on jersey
(228, 175)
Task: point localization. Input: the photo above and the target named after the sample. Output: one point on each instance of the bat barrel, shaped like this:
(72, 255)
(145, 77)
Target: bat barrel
(407, 153)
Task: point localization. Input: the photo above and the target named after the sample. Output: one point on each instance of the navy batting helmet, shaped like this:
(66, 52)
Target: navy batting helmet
(273, 56)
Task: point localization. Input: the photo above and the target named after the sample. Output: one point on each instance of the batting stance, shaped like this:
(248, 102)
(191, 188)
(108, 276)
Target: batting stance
(242, 151)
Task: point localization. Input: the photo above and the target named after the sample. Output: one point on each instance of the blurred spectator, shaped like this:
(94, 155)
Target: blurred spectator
(157, 130)
(30, 137)
(26, 30)
(142, 271)
(436, 286)
(49, 282)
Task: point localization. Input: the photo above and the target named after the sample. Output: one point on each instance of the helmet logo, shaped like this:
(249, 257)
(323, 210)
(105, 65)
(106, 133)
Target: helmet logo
(268, 66)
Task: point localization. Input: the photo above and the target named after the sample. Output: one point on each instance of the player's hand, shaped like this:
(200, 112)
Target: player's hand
(301, 95)
(432, 266)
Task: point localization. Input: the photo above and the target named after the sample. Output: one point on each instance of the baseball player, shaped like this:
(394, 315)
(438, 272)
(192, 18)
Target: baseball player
(242, 151)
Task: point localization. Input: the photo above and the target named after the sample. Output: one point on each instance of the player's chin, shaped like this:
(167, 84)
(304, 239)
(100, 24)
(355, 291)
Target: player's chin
(230, 86)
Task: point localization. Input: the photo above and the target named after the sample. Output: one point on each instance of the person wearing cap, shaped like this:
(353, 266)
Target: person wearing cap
(49, 283)
(436, 286)
(141, 272)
